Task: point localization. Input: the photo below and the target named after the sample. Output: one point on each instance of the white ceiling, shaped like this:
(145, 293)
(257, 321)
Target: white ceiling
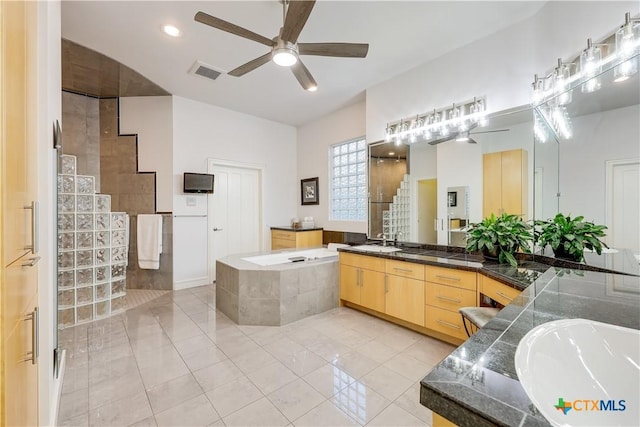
(401, 35)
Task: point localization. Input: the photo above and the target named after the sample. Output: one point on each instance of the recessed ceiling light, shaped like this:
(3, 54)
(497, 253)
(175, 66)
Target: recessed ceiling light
(171, 30)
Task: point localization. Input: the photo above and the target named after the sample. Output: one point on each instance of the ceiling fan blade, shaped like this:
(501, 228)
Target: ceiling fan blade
(344, 50)
(304, 76)
(489, 131)
(251, 65)
(297, 15)
(218, 23)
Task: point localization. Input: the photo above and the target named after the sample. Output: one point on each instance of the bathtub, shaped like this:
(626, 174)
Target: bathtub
(269, 289)
(286, 257)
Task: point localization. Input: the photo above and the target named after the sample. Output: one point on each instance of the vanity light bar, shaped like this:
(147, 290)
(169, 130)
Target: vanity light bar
(460, 117)
(620, 57)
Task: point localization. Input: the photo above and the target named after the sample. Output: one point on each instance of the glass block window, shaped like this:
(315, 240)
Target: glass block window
(348, 181)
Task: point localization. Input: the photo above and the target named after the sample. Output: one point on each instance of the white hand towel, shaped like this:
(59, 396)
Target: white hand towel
(149, 241)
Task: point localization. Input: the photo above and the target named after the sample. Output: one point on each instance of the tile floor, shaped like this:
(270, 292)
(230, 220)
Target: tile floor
(175, 361)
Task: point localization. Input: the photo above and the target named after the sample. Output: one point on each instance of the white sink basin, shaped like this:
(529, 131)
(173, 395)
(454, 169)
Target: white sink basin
(579, 365)
(376, 248)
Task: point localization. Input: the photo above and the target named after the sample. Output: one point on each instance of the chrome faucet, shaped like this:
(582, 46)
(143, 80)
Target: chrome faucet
(395, 238)
(384, 238)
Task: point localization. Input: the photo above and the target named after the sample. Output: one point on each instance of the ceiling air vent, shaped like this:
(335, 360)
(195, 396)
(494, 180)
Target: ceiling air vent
(205, 70)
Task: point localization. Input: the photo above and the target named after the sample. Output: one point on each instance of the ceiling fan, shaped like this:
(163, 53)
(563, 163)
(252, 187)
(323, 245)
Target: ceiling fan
(285, 49)
(464, 136)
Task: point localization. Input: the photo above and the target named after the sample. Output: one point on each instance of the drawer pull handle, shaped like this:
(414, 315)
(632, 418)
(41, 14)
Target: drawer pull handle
(457, 301)
(34, 247)
(404, 270)
(450, 325)
(457, 279)
(32, 356)
(32, 261)
(386, 286)
(504, 296)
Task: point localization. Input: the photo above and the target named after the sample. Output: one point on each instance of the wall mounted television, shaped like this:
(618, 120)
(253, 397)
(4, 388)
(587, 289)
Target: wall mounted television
(197, 183)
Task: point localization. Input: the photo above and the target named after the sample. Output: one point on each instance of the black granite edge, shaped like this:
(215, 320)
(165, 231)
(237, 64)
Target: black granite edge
(439, 397)
(289, 228)
(591, 257)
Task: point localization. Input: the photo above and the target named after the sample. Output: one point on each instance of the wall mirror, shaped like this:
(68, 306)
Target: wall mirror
(587, 156)
(388, 190)
(410, 190)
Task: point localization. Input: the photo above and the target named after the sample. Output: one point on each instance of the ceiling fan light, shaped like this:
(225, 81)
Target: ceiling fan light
(284, 56)
(170, 30)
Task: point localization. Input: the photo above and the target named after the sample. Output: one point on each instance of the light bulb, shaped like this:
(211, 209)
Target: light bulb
(627, 41)
(625, 70)
(561, 77)
(591, 67)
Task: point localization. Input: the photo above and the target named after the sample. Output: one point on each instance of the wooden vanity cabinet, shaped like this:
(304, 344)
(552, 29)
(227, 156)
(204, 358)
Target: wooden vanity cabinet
(423, 298)
(497, 291)
(405, 291)
(362, 281)
(284, 239)
(448, 290)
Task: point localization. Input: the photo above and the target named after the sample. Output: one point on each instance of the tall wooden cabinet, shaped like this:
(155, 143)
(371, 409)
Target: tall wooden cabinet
(505, 183)
(18, 217)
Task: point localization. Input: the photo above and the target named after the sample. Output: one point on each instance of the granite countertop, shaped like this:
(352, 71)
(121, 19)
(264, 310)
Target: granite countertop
(289, 228)
(476, 385)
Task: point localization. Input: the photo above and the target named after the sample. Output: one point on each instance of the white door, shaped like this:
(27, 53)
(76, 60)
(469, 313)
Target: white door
(235, 211)
(623, 204)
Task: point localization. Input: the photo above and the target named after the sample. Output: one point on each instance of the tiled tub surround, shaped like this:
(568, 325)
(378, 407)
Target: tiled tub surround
(477, 385)
(92, 250)
(276, 294)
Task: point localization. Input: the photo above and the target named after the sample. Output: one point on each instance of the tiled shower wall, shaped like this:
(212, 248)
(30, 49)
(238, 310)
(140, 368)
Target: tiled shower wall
(91, 133)
(81, 133)
(135, 193)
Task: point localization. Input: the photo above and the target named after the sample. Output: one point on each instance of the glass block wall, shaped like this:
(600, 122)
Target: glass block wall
(395, 221)
(92, 250)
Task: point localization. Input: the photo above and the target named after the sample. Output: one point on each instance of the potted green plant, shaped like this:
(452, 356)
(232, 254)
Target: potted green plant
(500, 237)
(569, 237)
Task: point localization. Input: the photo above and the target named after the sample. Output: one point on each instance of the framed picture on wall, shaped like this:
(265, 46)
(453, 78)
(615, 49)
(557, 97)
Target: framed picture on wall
(309, 191)
(452, 199)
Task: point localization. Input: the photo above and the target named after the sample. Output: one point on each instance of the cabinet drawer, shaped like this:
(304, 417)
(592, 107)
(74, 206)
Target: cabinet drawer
(282, 244)
(452, 277)
(448, 297)
(284, 235)
(497, 291)
(405, 269)
(362, 261)
(445, 321)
